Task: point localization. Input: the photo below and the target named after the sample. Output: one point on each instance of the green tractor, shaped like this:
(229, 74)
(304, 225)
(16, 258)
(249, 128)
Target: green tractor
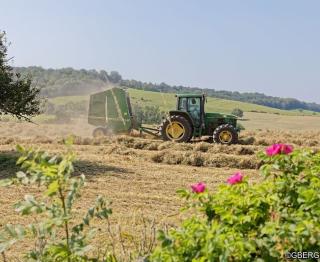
(110, 111)
(190, 120)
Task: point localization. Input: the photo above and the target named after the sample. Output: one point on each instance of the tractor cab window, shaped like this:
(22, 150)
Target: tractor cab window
(194, 108)
(182, 104)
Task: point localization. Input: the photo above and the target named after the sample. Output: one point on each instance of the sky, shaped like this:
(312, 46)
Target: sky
(267, 46)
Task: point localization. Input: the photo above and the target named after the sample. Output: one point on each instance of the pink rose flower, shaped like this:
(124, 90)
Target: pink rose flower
(277, 149)
(198, 188)
(236, 178)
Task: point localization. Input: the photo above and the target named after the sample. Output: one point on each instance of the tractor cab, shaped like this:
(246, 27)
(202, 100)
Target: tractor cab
(193, 105)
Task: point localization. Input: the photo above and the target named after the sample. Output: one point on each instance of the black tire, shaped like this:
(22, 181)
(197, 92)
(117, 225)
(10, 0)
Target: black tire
(230, 132)
(182, 122)
(100, 132)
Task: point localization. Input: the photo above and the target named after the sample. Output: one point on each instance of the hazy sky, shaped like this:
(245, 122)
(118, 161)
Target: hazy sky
(269, 46)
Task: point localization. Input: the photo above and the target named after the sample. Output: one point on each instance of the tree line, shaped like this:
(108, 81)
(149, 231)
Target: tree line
(254, 98)
(68, 81)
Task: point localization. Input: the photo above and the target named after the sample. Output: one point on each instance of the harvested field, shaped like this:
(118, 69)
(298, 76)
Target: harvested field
(140, 176)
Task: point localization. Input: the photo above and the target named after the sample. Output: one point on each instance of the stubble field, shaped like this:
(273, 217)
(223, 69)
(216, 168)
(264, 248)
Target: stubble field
(139, 175)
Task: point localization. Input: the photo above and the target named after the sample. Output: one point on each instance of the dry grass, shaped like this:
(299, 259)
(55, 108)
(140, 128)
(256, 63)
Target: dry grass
(140, 176)
(280, 122)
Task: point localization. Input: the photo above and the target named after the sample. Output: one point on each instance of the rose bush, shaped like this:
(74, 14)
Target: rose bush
(252, 222)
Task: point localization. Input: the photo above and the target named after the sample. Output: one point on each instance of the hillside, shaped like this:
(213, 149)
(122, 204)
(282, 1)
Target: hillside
(68, 81)
(167, 101)
(256, 116)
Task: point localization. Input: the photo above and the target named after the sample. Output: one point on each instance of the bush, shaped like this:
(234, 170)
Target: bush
(148, 114)
(237, 112)
(244, 222)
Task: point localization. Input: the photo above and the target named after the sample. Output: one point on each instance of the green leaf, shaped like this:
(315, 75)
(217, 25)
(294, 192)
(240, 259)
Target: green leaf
(53, 188)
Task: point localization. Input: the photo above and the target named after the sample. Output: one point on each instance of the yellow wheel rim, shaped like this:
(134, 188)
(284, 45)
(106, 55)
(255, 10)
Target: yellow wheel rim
(225, 137)
(175, 130)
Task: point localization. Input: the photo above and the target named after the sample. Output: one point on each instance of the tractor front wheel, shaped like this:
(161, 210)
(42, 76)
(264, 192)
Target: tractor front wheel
(177, 129)
(225, 134)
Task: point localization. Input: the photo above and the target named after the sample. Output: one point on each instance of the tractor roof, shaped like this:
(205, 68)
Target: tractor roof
(190, 95)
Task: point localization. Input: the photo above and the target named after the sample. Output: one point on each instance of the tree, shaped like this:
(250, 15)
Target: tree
(237, 112)
(17, 95)
(115, 77)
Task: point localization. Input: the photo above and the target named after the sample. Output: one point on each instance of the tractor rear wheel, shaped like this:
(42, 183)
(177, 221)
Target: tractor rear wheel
(225, 134)
(100, 132)
(177, 129)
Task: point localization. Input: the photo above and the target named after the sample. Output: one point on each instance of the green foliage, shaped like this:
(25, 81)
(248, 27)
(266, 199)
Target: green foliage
(17, 95)
(244, 222)
(68, 81)
(237, 112)
(148, 114)
(115, 77)
(58, 234)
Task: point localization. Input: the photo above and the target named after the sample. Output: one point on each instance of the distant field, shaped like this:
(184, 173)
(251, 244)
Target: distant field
(167, 101)
(258, 117)
(280, 122)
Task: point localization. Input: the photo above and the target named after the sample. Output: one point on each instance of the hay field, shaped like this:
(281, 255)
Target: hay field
(140, 176)
(265, 121)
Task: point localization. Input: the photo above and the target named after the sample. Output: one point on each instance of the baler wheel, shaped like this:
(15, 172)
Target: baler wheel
(100, 132)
